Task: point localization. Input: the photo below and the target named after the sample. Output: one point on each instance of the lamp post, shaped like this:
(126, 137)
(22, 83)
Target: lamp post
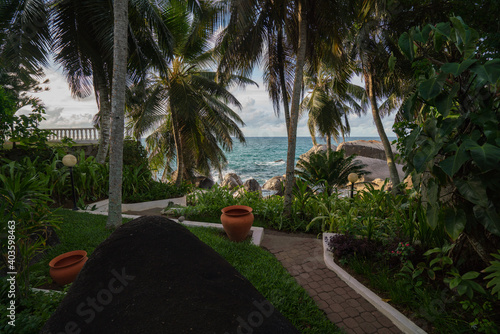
(353, 177)
(69, 160)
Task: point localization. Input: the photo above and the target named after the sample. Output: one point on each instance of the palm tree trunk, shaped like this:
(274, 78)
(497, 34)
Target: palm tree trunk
(120, 55)
(393, 172)
(328, 144)
(101, 87)
(178, 147)
(294, 112)
(284, 92)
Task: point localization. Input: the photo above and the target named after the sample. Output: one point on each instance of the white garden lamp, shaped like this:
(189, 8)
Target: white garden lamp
(70, 161)
(353, 177)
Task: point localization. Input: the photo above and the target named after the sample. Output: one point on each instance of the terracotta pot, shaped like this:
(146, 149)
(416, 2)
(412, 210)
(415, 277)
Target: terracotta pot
(237, 221)
(65, 267)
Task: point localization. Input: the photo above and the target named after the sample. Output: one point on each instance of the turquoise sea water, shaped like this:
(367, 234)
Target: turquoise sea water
(262, 158)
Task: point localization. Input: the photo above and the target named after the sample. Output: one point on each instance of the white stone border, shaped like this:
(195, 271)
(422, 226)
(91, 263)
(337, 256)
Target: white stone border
(257, 232)
(397, 318)
(102, 206)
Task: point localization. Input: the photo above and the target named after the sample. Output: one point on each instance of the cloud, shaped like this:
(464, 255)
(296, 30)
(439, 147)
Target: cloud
(257, 110)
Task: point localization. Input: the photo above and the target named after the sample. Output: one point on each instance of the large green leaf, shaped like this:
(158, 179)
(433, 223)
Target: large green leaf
(444, 101)
(454, 221)
(431, 88)
(425, 154)
(430, 195)
(456, 69)
(488, 217)
(406, 44)
(487, 156)
(444, 28)
(472, 190)
(422, 35)
(490, 71)
(452, 164)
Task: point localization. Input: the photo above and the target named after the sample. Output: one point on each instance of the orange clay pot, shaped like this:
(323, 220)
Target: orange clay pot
(237, 221)
(65, 267)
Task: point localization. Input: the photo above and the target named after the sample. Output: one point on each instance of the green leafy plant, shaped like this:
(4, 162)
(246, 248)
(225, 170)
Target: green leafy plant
(329, 170)
(449, 132)
(494, 275)
(464, 283)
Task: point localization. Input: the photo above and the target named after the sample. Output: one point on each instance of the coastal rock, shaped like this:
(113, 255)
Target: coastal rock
(378, 183)
(154, 276)
(204, 182)
(252, 185)
(315, 149)
(231, 181)
(365, 148)
(276, 183)
(378, 168)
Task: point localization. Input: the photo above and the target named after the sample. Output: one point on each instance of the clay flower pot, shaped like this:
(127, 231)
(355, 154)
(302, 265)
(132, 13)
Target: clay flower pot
(65, 267)
(237, 221)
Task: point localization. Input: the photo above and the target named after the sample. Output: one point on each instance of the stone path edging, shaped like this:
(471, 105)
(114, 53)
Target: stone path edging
(401, 321)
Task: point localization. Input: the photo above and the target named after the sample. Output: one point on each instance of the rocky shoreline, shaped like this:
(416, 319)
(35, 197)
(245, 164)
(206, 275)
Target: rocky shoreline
(369, 152)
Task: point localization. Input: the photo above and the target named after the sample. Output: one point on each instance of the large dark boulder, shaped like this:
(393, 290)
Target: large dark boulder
(154, 276)
(366, 148)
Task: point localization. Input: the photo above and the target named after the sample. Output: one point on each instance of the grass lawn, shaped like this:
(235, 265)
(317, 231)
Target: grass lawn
(86, 231)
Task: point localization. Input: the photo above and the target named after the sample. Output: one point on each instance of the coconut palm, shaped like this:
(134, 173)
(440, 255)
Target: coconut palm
(374, 48)
(329, 170)
(187, 107)
(120, 56)
(83, 42)
(329, 101)
(290, 32)
(24, 37)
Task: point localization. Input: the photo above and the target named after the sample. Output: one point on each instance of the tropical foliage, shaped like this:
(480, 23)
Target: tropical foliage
(449, 132)
(186, 105)
(329, 169)
(329, 101)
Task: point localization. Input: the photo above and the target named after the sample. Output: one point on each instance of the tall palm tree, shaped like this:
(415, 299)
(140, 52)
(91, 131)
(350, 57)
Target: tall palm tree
(289, 31)
(24, 37)
(83, 42)
(329, 101)
(120, 56)
(186, 105)
(372, 47)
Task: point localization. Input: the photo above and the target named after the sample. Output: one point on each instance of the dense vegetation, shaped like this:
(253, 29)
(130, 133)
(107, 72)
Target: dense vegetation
(442, 79)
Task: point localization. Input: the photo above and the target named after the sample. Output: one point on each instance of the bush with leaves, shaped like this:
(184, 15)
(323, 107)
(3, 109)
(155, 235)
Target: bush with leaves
(24, 198)
(329, 169)
(449, 132)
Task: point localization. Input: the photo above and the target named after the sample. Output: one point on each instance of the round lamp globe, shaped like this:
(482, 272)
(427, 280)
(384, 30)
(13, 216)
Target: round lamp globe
(69, 160)
(353, 177)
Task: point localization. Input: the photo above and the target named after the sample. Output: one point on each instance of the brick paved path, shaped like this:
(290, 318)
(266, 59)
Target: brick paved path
(303, 258)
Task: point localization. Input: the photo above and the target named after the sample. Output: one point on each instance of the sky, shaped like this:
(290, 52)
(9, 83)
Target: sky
(64, 111)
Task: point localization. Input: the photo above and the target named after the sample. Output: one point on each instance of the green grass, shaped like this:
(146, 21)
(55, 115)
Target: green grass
(86, 231)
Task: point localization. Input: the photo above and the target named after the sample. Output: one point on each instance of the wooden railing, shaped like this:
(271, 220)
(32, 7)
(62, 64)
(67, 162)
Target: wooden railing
(81, 135)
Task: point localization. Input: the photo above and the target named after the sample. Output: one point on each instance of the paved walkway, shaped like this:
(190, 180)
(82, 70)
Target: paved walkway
(302, 256)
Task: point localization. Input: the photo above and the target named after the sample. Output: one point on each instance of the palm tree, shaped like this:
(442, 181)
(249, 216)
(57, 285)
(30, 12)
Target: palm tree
(120, 56)
(329, 170)
(373, 47)
(289, 31)
(24, 37)
(329, 101)
(186, 106)
(83, 42)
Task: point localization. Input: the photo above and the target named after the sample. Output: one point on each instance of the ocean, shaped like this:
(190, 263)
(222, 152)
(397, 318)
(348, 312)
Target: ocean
(262, 158)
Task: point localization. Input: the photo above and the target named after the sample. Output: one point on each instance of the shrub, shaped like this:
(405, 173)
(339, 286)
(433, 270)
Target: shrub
(344, 246)
(329, 170)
